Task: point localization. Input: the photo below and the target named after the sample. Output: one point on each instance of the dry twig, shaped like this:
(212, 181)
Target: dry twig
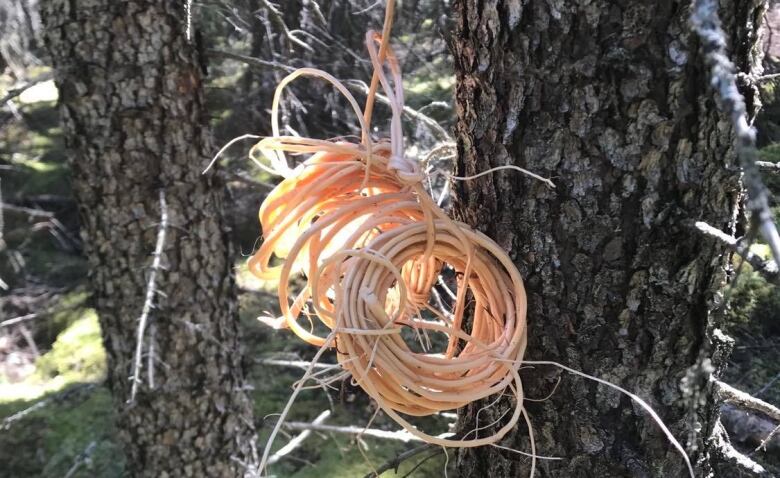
(84, 457)
(151, 290)
(294, 363)
(768, 166)
(3, 285)
(296, 442)
(398, 435)
(729, 394)
(707, 25)
(354, 85)
(733, 457)
(766, 268)
(765, 441)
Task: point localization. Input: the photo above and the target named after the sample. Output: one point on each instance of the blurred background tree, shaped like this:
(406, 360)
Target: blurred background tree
(129, 76)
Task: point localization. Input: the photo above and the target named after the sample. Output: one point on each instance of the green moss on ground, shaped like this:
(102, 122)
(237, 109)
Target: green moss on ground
(59, 414)
(77, 355)
(49, 440)
(342, 457)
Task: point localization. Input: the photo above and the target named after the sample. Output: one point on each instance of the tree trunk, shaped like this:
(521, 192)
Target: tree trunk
(610, 100)
(131, 101)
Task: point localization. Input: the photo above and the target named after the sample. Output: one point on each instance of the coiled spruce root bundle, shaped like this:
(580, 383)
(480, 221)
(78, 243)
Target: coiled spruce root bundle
(369, 262)
(354, 223)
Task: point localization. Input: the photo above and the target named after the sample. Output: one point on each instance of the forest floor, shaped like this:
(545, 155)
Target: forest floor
(55, 410)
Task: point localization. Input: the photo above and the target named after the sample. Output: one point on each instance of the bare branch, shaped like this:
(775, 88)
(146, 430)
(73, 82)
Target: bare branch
(3, 285)
(44, 312)
(409, 111)
(2, 219)
(305, 366)
(279, 20)
(293, 363)
(83, 457)
(769, 77)
(16, 320)
(18, 90)
(766, 268)
(399, 435)
(62, 395)
(768, 385)
(150, 358)
(354, 85)
(28, 337)
(8, 421)
(296, 442)
(27, 210)
(732, 457)
(768, 166)
(368, 8)
(151, 290)
(250, 60)
(707, 24)
(729, 394)
(765, 441)
(188, 14)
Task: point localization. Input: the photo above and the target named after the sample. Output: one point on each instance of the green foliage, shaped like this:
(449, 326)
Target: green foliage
(749, 288)
(767, 310)
(77, 355)
(36, 149)
(33, 151)
(753, 302)
(71, 429)
(752, 319)
(70, 413)
(342, 457)
(69, 309)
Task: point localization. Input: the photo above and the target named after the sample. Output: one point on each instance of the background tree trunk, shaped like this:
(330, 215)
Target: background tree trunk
(20, 24)
(132, 107)
(611, 100)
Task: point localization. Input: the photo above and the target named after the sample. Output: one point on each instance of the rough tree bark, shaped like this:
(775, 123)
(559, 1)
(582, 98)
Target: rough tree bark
(131, 101)
(611, 100)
